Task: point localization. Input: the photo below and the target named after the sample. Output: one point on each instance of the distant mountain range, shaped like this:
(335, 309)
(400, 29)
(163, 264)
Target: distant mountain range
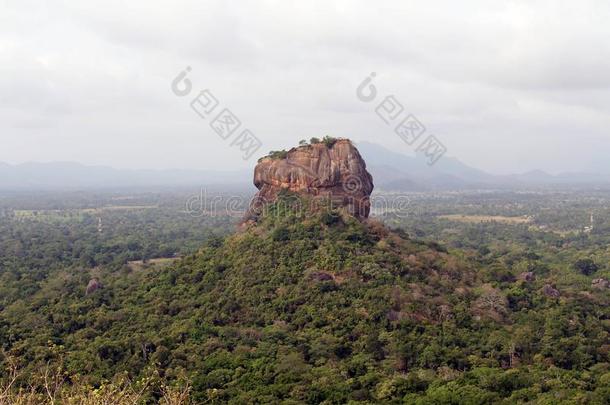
(391, 171)
(395, 171)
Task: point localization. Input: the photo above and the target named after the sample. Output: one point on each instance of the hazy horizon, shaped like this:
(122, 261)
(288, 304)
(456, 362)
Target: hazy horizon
(251, 163)
(506, 88)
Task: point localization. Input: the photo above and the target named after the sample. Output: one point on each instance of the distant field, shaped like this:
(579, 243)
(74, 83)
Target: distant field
(125, 207)
(72, 213)
(486, 218)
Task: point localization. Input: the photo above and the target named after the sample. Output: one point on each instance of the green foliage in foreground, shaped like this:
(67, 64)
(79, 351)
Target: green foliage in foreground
(49, 386)
(321, 308)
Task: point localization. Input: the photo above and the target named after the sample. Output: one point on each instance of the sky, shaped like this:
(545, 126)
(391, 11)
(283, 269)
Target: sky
(505, 86)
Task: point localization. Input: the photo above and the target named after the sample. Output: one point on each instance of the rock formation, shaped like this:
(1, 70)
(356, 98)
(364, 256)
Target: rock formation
(320, 276)
(600, 284)
(550, 291)
(331, 170)
(93, 286)
(527, 276)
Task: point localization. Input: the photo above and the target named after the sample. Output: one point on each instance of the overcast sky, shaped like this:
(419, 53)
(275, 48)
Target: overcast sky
(507, 86)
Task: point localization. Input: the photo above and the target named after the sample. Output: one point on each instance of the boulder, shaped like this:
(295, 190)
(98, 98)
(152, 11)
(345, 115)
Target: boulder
(600, 284)
(93, 286)
(334, 171)
(527, 276)
(320, 276)
(550, 291)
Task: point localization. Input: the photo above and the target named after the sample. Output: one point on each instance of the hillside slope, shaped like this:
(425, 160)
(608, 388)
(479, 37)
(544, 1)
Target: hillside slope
(318, 307)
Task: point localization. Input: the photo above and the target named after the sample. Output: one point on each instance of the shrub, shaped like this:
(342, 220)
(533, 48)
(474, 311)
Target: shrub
(329, 141)
(278, 154)
(586, 266)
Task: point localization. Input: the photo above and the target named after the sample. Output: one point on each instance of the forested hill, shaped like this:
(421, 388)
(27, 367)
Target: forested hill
(318, 307)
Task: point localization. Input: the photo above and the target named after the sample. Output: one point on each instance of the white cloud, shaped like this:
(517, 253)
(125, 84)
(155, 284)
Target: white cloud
(507, 86)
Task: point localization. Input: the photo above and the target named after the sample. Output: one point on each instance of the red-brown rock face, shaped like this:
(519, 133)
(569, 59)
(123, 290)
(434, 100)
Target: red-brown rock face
(337, 172)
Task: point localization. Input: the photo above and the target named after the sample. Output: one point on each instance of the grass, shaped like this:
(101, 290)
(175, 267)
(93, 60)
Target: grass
(50, 386)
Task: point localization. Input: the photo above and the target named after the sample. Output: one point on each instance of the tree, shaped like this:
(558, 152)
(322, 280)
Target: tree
(329, 141)
(586, 266)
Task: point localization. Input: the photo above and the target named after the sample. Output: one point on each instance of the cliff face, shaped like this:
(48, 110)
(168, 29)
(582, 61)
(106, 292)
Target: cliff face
(337, 172)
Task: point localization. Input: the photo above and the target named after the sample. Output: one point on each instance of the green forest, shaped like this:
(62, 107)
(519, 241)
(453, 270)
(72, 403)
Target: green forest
(306, 307)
